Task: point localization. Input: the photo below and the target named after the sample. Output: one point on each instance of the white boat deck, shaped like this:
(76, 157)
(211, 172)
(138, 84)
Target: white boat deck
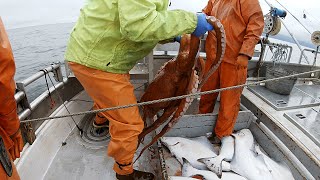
(59, 151)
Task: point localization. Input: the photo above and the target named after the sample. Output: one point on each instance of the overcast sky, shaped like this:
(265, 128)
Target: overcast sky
(22, 13)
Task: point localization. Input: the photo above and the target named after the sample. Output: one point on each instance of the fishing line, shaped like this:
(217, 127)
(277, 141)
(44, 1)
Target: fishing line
(60, 98)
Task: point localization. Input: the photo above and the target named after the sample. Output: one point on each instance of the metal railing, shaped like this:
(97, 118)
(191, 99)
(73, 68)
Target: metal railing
(21, 95)
(284, 46)
(312, 51)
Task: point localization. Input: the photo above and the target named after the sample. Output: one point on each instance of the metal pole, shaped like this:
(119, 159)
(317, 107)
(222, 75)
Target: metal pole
(315, 56)
(294, 38)
(300, 59)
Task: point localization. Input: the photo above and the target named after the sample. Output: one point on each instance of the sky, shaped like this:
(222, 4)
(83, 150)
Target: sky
(18, 13)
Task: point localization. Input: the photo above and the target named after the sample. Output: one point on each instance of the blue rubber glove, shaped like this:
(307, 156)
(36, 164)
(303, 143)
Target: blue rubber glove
(177, 39)
(203, 26)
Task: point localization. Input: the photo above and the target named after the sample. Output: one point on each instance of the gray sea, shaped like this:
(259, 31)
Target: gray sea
(36, 48)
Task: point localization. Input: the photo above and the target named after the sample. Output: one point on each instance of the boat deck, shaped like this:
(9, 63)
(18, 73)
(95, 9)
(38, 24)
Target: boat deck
(301, 107)
(297, 115)
(64, 154)
(59, 151)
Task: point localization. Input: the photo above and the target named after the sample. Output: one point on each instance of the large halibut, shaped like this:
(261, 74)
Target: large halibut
(188, 149)
(251, 163)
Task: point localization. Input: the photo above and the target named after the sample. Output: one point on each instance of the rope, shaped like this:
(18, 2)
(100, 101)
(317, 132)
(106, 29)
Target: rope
(297, 42)
(52, 102)
(168, 99)
(60, 98)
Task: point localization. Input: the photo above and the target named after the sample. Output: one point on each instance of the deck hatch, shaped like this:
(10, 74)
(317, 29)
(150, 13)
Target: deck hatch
(300, 116)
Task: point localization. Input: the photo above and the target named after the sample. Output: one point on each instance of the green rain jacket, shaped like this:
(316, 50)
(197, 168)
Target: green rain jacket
(112, 35)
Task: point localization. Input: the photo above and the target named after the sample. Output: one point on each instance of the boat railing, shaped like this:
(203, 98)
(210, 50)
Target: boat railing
(63, 89)
(283, 46)
(21, 95)
(315, 52)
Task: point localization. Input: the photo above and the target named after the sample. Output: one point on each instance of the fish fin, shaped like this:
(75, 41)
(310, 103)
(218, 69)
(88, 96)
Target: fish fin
(214, 164)
(185, 161)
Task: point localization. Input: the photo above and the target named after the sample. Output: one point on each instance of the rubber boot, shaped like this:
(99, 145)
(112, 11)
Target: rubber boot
(214, 139)
(104, 125)
(136, 175)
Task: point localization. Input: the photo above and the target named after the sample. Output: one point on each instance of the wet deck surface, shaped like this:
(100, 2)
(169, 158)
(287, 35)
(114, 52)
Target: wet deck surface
(85, 157)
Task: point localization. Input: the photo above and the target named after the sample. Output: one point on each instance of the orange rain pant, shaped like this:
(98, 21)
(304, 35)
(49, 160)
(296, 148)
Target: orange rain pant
(9, 121)
(243, 23)
(227, 75)
(109, 90)
(100, 118)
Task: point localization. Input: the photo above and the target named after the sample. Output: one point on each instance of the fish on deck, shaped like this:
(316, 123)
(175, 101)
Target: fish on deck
(189, 149)
(250, 162)
(226, 153)
(189, 171)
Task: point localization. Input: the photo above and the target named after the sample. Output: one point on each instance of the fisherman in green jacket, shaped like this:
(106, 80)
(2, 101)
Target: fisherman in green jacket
(107, 41)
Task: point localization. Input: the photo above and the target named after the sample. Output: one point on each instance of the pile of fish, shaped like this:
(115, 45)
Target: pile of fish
(239, 158)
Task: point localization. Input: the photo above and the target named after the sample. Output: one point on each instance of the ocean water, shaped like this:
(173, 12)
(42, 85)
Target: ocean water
(37, 47)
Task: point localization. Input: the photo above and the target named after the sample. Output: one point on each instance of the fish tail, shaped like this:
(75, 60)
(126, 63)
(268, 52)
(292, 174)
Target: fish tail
(217, 161)
(214, 164)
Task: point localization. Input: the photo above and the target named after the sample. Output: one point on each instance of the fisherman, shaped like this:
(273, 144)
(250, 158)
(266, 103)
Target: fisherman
(243, 22)
(11, 142)
(107, 41)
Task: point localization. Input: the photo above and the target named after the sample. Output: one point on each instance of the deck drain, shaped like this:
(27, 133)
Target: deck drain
(281, 102)
(300, 116)
(93, 138)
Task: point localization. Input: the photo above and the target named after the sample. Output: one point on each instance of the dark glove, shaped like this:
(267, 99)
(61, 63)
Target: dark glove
(203, 26)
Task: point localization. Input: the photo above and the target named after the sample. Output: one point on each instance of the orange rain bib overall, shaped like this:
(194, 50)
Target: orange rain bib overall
(243, 23)
(9, 121)
(109, 90)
